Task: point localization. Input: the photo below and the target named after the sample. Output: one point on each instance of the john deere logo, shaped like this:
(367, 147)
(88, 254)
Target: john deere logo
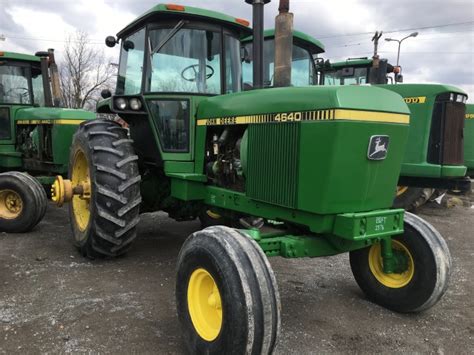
(378, 147)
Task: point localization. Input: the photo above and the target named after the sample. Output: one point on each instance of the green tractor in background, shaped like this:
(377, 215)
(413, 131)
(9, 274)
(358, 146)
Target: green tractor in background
(469, 140)
(196, 141)
(434, 154)
(35, 137)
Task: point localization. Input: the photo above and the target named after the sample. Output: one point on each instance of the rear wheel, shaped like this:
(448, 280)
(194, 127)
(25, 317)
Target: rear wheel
(104, 216)
(410, 198)
(22, 202)
(423, 279)
(226, 294)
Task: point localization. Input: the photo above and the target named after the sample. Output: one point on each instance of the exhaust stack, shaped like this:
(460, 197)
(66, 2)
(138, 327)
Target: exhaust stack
(257, 54)
(283, 45)
(55, 86)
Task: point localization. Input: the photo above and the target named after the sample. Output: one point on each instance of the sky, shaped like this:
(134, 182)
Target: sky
(443, 52)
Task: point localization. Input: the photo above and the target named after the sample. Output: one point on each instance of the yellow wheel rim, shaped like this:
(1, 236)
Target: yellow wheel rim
(204, 304)
(11, 204)
(401, 190)
(80, 204)
(213, 215)
(393, 280)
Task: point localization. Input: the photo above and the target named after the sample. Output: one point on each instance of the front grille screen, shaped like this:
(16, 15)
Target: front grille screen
(446, 137)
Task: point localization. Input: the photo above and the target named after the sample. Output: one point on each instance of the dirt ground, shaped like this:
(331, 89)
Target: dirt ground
(54, 301)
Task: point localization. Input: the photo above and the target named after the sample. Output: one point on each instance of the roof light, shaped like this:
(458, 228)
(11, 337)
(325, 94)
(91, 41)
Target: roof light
(174, 7)
(459, 98)
(242, 22)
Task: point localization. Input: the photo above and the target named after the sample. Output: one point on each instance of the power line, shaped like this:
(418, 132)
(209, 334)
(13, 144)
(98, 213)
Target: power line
(399, 30)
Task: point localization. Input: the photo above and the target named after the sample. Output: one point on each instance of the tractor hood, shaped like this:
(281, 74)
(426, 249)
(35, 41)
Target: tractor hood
(53, 115)
(420, 90)
(302, 99)
(324, 150)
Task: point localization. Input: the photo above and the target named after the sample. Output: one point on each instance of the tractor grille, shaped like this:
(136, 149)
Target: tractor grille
(446, 145)
(5, 127)
(272, 169)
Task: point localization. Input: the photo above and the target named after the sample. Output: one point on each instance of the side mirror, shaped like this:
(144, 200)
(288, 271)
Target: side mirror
(127, 45)
(110, 41)
(399, 78)
(105, 93)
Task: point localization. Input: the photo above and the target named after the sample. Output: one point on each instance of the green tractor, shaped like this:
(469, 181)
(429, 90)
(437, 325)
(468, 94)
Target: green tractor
(469, 140)
(196, 141)
(34, 137)
(436, 161)
(434, 156)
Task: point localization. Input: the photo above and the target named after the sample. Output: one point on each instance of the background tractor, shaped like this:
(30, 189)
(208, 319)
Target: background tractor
(35, 136)
(434, 156)
(436, 161)
(197, 141)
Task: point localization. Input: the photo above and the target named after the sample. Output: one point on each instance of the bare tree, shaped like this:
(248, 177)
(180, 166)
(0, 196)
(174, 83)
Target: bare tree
(84, 73)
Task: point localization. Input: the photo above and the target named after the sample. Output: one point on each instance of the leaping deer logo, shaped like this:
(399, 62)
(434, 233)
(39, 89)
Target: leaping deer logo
(378, 147)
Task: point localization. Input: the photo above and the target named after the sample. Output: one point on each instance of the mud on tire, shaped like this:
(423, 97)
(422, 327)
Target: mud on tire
(115, 189)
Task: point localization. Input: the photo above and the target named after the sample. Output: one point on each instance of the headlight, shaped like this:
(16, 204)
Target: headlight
(121, 103)
(135, 104)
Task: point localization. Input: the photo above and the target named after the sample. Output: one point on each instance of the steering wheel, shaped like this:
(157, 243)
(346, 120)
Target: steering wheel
(24, 89)
(195, 68)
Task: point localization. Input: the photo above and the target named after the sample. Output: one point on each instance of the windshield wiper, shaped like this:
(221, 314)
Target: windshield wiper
(173, 32)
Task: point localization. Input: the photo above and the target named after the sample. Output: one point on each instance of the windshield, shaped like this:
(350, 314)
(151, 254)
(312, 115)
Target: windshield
(346, 76)
(180, 60)
(14, 86)
(132, 52)
(302, 67)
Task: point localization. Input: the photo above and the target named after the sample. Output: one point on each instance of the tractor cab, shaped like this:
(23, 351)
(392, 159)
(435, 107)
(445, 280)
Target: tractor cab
(33, 129)
(304, 51)
(171, 58)
(21, 85)
(358, 71)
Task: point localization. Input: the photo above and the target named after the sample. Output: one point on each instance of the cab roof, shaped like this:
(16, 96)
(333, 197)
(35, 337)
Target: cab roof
(352, 62)
(19, 56)
(170, 11)
(312, 44)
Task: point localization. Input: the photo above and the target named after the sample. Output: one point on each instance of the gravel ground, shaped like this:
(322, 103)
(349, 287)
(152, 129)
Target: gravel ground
(54, 301)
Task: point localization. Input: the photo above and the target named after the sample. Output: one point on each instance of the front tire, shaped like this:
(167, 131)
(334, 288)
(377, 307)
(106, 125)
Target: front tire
(102, 157)
(421, 284)
(411, 198)
(226, 294)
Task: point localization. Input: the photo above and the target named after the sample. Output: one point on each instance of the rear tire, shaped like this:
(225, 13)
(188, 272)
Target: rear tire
(106, 225)
(245, 319)
(412, 198)
(22, 202)
(426, 278)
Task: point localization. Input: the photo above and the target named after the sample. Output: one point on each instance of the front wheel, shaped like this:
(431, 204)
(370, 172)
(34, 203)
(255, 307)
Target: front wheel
(424, 277)
(411, 198)
(226, 294)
